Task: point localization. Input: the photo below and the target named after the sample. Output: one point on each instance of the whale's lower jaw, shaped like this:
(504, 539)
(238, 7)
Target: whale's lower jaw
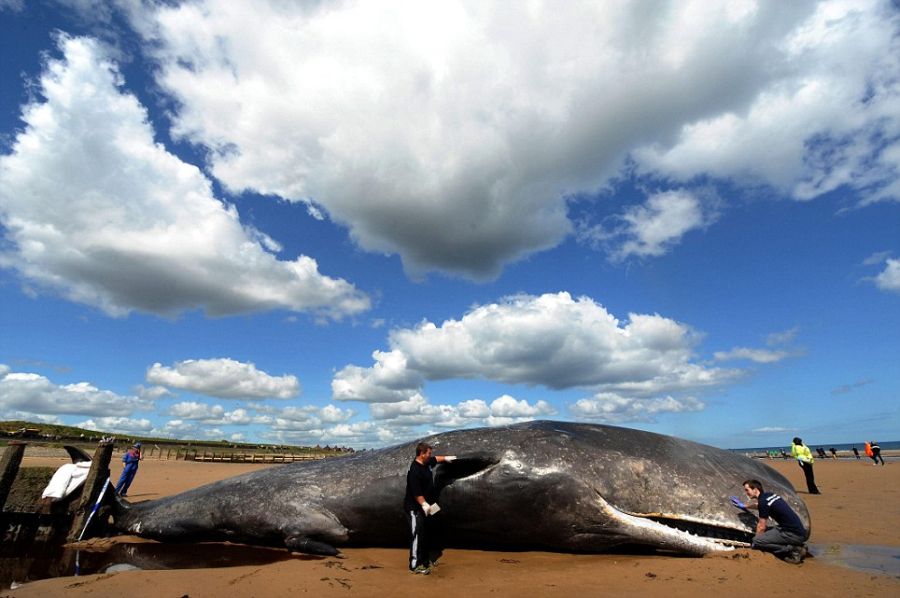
(677, 534)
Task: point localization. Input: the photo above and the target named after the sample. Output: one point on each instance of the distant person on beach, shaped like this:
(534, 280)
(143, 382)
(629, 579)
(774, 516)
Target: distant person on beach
(833, 453)
(131, 459)
(876, 453)
(784, 540)
(802, 454)
(856, 453)
(420, 504)
(869, 453)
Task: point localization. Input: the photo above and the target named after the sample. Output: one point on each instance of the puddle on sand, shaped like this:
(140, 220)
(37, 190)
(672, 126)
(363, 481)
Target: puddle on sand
(862, 557)
(59, 562)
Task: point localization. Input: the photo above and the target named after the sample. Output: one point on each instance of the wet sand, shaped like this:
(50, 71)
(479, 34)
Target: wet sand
(859, 506)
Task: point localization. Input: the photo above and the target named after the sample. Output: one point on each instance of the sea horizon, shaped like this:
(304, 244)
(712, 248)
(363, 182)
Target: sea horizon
(843, 446)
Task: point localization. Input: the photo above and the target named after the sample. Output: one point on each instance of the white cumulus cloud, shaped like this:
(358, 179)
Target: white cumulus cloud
(418, 411)
(216, 414)
(889, 278)
(12, 5)
(33, 393)
(121, 425)
(613, 408)
(452, 133)
(756, 355)
(771, 355)
(550, 340)
(305, 419)
(94, 208)
(223, 378)
(357, 434)
(820, 112)
(652, 228)
(390, 379)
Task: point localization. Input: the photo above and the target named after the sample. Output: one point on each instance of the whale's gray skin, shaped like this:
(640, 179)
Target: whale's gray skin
(539, 485)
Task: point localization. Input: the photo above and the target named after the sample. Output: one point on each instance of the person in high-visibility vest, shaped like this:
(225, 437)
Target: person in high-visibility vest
(802, 454)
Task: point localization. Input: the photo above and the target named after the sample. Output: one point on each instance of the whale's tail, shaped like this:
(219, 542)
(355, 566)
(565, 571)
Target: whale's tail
(77, 455)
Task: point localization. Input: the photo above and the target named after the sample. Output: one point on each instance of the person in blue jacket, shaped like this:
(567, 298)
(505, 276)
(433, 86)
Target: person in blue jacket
(131, 459)
(786, 537)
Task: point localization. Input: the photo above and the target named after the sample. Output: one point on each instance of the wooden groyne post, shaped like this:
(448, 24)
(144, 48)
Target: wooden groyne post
(93, 485)
(9, 467)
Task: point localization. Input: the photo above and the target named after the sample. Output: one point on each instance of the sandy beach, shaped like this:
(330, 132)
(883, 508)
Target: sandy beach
(859, 509)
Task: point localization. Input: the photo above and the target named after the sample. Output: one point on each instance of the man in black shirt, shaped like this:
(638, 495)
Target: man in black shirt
(419, 503)
(876, 453)
(784, 540)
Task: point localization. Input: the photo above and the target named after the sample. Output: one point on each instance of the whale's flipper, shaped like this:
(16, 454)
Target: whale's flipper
(309, 546)
(315, 532)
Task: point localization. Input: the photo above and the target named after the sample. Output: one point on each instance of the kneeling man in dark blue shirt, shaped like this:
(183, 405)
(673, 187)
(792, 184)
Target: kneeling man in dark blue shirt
(784, 540)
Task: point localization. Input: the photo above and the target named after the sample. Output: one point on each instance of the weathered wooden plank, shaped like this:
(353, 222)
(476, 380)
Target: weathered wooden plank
(93, 485)
(9, 468)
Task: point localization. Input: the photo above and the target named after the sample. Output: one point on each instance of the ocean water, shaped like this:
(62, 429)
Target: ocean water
(894, 444)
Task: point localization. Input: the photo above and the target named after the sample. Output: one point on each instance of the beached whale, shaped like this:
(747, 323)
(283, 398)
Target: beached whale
(538, 485)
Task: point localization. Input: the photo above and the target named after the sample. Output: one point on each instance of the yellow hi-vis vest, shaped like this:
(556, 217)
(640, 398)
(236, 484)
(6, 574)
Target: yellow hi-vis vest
(802, 452)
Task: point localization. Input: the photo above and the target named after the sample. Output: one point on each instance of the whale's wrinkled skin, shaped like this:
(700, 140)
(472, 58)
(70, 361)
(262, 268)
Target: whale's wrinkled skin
(542, 485)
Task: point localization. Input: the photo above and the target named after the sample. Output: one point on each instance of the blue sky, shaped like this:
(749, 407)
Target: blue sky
(357, 223)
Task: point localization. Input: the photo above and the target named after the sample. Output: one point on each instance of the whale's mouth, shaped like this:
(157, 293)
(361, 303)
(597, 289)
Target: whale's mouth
(726, 536)
(462, 468)
(681, 533)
